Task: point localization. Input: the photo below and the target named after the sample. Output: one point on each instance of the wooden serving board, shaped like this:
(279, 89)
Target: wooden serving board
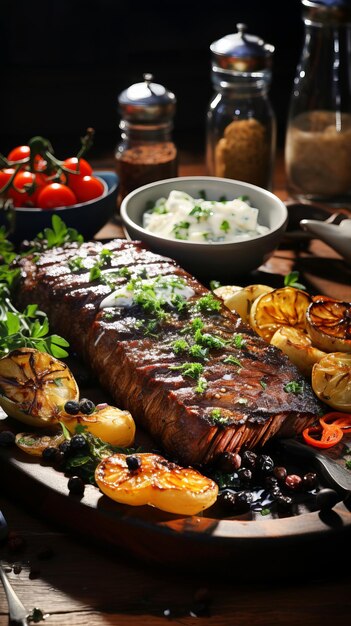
(261, 546)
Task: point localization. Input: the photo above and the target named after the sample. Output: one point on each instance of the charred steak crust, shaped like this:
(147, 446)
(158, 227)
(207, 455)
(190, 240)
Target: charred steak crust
(195, 377)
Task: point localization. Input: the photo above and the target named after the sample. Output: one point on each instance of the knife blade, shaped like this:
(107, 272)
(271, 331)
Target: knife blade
(17, 612)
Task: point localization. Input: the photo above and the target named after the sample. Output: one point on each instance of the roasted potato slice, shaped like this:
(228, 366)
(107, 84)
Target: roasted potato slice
(331, 380)
(156, 482)
(110, 424)
(329, 324)
(281, 307)
(34, 386)
(298, 347)
(242, 300)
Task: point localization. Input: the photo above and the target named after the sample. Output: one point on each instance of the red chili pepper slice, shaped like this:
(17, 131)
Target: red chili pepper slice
(336, 418)
(325, 437)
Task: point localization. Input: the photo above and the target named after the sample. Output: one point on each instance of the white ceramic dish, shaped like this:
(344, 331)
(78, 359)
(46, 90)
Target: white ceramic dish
(213, 260)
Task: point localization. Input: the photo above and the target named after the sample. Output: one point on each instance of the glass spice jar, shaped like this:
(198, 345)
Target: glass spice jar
(318, 140)
(241, 124)
(146, 152)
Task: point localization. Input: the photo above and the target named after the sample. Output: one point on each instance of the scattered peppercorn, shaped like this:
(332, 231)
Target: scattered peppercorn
(248, 459)
(280, 473)
(229, 462)
(49, 454)
(71, 407)
(309, 481)
(86, 406)
(293, 482)
(133, 462)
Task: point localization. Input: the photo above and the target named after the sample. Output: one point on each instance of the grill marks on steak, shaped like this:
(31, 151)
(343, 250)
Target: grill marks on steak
(136, 369)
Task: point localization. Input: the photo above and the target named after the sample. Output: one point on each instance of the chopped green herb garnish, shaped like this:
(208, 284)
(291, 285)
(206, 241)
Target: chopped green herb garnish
(210, 341)
(181, 230)
(76, 264)
(232, 360)
(193, 370)
(179, 346)
(225, 226)
(124, 272)
(201, 385)
(294, 387)
(95, 272)
(265, 511)
(198, 352)
(214, 284)
(200, 213)
(208, 304)
(217, 417)
(239, 341)
(263, 384)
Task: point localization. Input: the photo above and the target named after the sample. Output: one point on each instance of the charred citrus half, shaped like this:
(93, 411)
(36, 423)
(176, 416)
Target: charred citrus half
(331, 380)
(155, 482)
(34, 386)
(298, 347)
(35, 443)
(242, 300)
(329, 324)
(281, 307)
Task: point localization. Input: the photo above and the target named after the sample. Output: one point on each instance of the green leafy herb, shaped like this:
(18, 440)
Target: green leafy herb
(198, 352)
(265, 511)
(200, 212)
(217, 417)
(57, 235)
(291, 280)
(125, 272)
(210, 341)
(243, 198)
(214, 284)
(95, 272)
(239, 341)
(76, 264)
(263, 384)
(294, 387)
(179, 346)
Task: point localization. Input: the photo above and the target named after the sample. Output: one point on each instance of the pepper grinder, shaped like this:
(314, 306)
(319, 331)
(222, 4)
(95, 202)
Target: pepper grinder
(146, 152)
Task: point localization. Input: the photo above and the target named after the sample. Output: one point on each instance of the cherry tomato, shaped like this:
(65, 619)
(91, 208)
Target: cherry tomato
(87, 187)
(56, 195)
(18, 153)
(82, 167)
(5, 176)
(22, 180)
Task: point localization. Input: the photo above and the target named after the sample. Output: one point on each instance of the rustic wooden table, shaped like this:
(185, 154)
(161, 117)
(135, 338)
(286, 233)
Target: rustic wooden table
(78, 583)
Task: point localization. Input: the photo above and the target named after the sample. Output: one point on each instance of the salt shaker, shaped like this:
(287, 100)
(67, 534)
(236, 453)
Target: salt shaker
(241, 124)
(318, 139)
(146, 152)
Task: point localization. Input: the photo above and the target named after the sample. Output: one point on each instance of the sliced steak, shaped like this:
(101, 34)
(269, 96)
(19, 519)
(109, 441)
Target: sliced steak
(191, 372)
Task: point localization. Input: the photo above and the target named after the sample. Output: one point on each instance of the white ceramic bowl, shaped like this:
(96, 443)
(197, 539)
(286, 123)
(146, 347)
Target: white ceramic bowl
(210, 260)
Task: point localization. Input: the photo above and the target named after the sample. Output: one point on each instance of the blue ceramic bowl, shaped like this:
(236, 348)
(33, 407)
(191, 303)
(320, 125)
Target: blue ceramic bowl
(87, 217)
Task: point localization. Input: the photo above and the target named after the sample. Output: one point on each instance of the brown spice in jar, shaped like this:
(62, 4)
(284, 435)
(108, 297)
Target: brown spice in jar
(243, 153)
(145, 164)
(318, 154)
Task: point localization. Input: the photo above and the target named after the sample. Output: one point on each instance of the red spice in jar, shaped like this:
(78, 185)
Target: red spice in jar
(145, 164)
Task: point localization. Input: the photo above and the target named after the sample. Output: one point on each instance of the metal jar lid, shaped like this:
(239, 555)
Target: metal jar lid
(147, 102)
(241, 52)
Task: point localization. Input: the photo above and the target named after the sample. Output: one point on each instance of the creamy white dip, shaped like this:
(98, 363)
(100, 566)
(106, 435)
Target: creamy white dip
(163, 288)
(180, 216)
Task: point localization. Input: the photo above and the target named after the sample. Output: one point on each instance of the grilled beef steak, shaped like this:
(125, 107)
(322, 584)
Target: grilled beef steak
(191, 373)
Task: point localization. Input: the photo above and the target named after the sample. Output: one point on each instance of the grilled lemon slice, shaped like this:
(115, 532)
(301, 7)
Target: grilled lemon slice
(298, 347)
(155, 482)
(110, 424)
(329, 324)
(281, 307)
(34, 386)
(242, 300)
(331, 380)
(226, 291)
(34, 444)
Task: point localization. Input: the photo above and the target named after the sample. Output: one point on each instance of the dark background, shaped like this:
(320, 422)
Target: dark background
(64, 63)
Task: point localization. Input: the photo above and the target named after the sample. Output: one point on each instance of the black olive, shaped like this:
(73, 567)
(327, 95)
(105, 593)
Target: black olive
(71, 407)
(59, 460)
(264, 464)
(245, 475)
(86, 406)
(133, 462)
(293, 482)
(7, 438)
(229, 462)
(249, 459)
(284, 503)
(309, 481)
(280, 473)
(76, 485)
